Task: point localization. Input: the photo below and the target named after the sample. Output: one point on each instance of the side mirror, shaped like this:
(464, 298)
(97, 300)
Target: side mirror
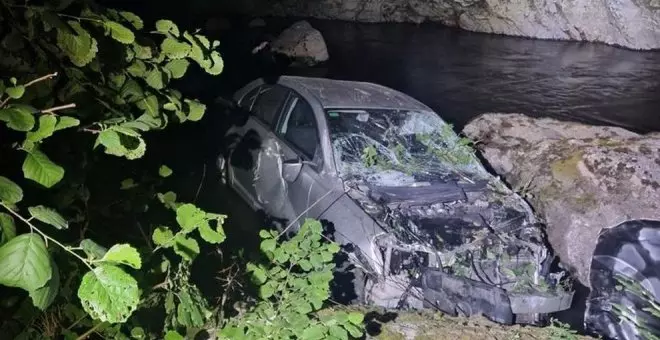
(291, 169)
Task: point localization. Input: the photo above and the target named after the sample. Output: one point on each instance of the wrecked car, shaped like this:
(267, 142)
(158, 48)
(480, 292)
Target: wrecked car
(423, 223)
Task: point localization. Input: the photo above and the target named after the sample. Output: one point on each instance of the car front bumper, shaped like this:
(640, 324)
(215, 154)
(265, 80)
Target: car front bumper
(456, 296)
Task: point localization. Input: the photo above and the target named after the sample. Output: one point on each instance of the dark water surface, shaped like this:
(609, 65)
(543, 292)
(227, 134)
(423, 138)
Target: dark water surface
(461, 74)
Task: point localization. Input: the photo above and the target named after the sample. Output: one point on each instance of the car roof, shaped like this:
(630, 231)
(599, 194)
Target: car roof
(344, 94)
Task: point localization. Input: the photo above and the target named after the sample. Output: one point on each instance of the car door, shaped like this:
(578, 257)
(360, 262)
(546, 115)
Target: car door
(297, 133)
(265, 102)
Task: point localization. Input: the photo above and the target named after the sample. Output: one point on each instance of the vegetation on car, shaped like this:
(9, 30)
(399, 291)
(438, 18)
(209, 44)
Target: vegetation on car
(86, 83)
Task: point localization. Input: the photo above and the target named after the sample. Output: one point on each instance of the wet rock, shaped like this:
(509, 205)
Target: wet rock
(634, 24)
(257, 22)
(579, 178)
(302, 43)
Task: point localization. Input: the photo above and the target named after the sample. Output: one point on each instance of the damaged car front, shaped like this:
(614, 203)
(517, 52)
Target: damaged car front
(454, 237)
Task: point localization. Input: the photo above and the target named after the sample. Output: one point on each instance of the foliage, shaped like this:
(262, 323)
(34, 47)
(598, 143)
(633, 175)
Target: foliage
(112, 79)
(99, 77)
(293, 287)
(649, 314)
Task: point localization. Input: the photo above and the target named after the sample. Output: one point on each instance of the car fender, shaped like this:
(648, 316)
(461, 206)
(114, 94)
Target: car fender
(355, 227)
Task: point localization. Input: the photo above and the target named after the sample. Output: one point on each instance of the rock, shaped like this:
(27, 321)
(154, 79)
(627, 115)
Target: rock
(257, 22)
(301, 42)
(633, 24)
(579, 178)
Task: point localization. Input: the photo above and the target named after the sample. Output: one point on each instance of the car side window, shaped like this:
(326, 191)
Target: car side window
(299, 126)
(269, 103)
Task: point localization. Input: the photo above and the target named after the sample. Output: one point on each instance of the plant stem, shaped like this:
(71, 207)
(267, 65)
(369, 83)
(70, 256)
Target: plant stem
(32, 227)
(46, 77)
(61, 107)
(90, 331)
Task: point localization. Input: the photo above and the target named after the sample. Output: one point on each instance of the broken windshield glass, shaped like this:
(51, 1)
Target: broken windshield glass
(388, 147)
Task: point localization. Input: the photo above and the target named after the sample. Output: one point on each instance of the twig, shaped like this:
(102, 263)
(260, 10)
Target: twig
(48, 238)
(57, 108)
(90, 331)
(139, 225)
(46, 77)
(201, 182)
(303, 213)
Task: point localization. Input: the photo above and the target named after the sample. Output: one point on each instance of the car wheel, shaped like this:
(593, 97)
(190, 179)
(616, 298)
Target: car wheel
(624, 302)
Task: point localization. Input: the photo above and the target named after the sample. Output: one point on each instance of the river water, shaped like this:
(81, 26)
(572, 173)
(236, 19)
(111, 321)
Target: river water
(462, 74)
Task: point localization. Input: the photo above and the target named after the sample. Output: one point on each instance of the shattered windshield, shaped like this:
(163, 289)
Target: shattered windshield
(400, 148)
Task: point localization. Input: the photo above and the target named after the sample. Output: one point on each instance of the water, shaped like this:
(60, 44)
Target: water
(461, 74)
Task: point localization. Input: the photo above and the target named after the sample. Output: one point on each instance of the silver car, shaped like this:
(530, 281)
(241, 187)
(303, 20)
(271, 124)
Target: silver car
(421, 220)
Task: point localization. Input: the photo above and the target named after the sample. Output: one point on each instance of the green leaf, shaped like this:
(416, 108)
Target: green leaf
(109, 294)
(44, 296)
(185, 247)
(175, 49)
(42, 170)
(156, 79)
(137, 69)
(163, 237)
(18, 118)
(7, 228)
(217, 65)
(173, 335)
(168, 199)
(119, 32)
(355, 318)
(142, 52)
(15, 92)
(149, 105)
(10, 192)
(268, 245)
(79, 45)
(190, 217)
(138, 333)
(122, 141)
(65, 122)
(46, 128)
(93, 250)
(48, 216)
(133, 19)
(167, 26)
(123, 254)
(24, 263)
(196, 110)
(177, 67)
(266, 290)
(126, 184)
(314, 332)
(211, 236)
(164, 171)
(338, 332)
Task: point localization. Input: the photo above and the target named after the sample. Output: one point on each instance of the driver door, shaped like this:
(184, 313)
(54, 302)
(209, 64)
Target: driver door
(297, 133)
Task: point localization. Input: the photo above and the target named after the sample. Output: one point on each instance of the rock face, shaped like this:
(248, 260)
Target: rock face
(302, 43)
(630, 23)
(579, 178)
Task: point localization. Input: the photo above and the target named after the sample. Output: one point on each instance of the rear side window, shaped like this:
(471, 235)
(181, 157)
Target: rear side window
(269, 102)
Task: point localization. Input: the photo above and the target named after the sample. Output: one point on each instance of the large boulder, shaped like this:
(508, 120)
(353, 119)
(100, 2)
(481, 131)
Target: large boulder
(579, 178)
(634, 24)
(302, 43)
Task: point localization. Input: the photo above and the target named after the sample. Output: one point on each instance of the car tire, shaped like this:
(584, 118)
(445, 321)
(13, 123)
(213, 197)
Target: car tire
(624, 275)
